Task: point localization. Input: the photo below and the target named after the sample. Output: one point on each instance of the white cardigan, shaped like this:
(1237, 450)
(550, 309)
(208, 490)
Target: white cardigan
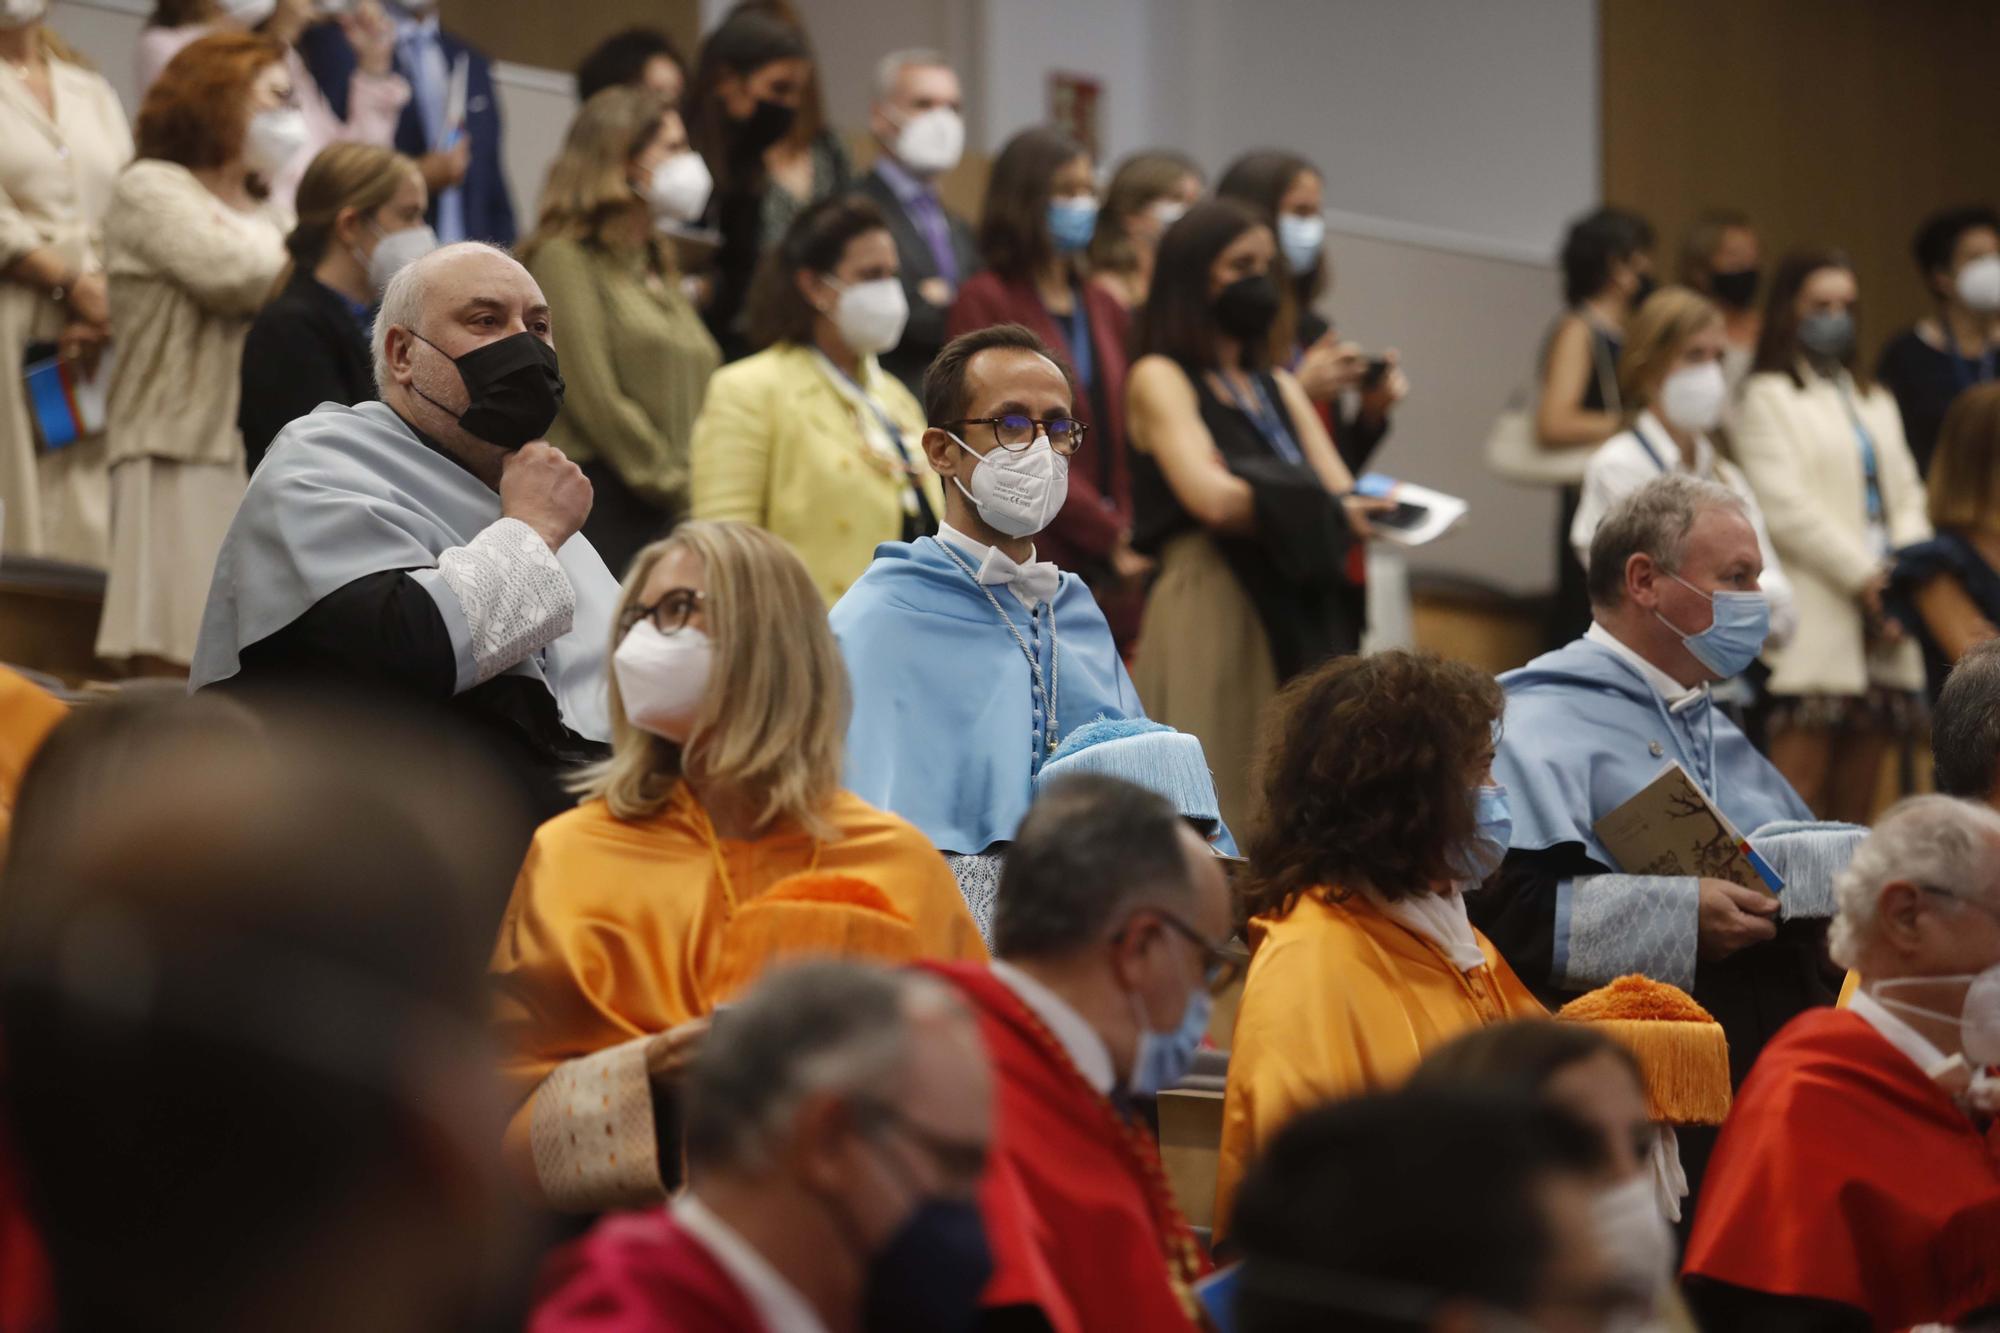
(1799, 449)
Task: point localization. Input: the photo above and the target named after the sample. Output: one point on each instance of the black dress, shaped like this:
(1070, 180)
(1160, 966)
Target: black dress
(307, 347)
(1925, 381)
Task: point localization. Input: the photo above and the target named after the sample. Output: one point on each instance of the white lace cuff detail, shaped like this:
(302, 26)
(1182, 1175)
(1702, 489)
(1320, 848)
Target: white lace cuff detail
(516, 598)
(591, 1132)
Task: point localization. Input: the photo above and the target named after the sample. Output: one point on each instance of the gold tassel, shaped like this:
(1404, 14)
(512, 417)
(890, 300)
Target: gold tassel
(1682, 1051)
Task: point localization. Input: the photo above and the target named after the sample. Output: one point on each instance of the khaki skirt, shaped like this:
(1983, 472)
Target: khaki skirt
(1204, 667)
(168, 520)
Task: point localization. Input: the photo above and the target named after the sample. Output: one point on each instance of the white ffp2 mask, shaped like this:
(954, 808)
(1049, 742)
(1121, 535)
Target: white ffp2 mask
(871, 315)
(273, 139)
(680, 188)
(662, 678)
(1017, 494)
(20, 13)
(1693, 396)
(931, 141)
(1978, 284)
(396, 252)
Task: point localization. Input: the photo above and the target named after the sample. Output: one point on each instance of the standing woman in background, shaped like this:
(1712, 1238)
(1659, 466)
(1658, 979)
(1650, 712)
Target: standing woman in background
(1240, 493)
(809, 163)
(1957, 347)
(193, 253)
(1041, 213)
(361, 218)
(63, 141)
(376, 95)
(1148, 194)
(1607, 274)
(1289, 194)
(749, 83)
(1721, 259)
(1824, 451)
(636, 355)
(810, 438)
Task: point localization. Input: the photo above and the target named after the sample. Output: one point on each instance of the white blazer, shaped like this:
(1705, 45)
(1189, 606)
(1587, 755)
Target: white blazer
(1802, 453)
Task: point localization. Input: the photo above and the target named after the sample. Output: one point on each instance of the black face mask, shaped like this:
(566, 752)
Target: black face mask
(1245, 308)
(1646, 288)
(514, 386)
(1736, 289)
(770, 122)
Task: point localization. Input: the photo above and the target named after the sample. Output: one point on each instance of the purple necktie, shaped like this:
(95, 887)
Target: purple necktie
(929, 217)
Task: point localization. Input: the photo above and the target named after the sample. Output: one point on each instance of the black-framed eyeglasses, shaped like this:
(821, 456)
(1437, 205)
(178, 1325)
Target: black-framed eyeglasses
(671, 613)
(1221, 965)
(960, 1162)
(1016, 431)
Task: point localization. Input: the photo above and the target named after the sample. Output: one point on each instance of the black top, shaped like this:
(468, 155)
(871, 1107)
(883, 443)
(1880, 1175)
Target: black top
(737, 215)
(924, 336)
(1925, 380)
(306, 348)
(1292, 570)
(1949, 555)
(382, 634)
(1605, 349)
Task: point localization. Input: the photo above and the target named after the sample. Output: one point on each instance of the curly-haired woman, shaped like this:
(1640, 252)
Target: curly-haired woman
(1379, 811)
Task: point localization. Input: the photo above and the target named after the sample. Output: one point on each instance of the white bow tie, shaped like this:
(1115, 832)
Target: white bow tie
(1036, 581)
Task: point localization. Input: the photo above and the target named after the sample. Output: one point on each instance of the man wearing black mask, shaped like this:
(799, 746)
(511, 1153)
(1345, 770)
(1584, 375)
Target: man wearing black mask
(838, 1124)
(427, 546)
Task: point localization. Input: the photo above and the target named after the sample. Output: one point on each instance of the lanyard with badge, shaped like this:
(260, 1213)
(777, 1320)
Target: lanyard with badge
(1871, 473)
(1263, 414)
(914, 502)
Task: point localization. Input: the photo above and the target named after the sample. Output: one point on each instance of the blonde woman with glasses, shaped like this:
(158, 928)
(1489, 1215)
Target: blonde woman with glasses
(728, 703)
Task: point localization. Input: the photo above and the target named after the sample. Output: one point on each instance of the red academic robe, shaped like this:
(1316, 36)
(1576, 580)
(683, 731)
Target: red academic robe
(639, 1273)
(1077, 1208)
(25, 1300)
(1844, 1174)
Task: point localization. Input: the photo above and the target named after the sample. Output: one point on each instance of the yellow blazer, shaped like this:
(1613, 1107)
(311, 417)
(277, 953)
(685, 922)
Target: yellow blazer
(778, 446)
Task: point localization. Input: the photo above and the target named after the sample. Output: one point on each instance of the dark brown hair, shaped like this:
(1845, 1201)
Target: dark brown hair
(1260, 179)
(1700, 242)
(1965, 471)
(194, 114)
(1141, 180)
(180, 13)
(1519, 1057)
(1014, 230)
(744, 43)
(1778, 344)
(1366, 774)
(1178, 318)
(945, 394)
(777, 311)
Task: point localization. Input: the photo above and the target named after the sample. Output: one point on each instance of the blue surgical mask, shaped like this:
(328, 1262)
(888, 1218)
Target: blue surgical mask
(1164, 1058)
(1071, 223)
(1492, 834)
(1300, 239)
(1731, 643)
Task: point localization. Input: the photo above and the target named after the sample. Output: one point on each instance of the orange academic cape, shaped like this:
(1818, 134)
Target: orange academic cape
(1342, 1000)
(1845, 1174)
(1077, 1208)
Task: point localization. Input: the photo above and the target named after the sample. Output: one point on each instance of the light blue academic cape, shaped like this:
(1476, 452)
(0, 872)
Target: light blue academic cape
(1584, 733)
(945, 730)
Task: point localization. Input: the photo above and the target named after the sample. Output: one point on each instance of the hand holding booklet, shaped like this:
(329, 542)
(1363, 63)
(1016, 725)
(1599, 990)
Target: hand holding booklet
(1421, 515)
(1672, 828)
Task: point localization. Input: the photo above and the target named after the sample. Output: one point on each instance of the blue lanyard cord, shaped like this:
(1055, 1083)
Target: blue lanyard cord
(1264, 416)
(1076, 331)
(1871, 469)
(1987, 365)
(1651, 452)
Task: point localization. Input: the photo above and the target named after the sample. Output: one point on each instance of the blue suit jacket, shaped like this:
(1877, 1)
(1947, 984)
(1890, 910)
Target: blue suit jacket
(489, 210)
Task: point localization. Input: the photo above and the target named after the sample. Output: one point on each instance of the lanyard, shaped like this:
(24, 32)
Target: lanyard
(1264, 416)
(1044, 695)
(1871, 469)
(1076, 331)
(1651, 452)
(913, 496)
(1959, 372)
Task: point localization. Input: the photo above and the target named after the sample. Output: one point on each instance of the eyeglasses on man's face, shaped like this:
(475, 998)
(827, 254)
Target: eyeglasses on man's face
(1015, 431)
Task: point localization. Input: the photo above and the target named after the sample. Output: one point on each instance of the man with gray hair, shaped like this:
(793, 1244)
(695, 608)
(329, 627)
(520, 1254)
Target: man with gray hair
(426, 546)
(1676, 605)
(838, 1124)
(1965, 727)
(1856, 1184)
(917, 119)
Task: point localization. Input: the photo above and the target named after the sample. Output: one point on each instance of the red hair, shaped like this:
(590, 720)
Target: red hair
(193, 114)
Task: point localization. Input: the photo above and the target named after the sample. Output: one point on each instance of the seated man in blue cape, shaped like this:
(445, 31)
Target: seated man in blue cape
(1673, 589)
(427, 547)
(969, 659)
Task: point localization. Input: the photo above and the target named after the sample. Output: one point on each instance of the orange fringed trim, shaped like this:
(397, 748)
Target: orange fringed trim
(1681, 1049)
(809, 915)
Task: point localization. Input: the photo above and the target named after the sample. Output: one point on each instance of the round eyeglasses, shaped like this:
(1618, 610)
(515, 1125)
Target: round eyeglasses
(1016, 431)
(670, 614)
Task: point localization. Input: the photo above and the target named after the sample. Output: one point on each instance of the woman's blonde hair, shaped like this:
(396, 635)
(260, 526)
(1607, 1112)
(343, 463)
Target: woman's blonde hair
(360, 176)
(590, 183)
(1965, 471)
(1654, 339)
(771, 725)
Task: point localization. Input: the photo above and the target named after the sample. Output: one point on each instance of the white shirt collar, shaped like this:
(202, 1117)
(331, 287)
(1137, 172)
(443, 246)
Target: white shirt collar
(1922, 1052)
(1033, 582)
(1654, 432)
(1664, 685)
(1078, 1038)
(778, 1304)
(1439, 918)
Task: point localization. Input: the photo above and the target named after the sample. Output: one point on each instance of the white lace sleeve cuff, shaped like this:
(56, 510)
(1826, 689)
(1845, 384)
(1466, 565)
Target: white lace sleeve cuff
(591, 1131)
(512, 596)
(1609, 925)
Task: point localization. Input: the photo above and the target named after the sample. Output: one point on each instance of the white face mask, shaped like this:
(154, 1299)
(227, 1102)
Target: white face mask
(1017, 493)
(248, 12)
(1978, 1020)
(680, 188)
(1167, 212)
(871, 315)
(931, 142)
(1693, 396)
(20, 13)
(1300, 238)
(273, 140)
(1634, 1234)
(662, 678)
(396, 252)
(1979, 284)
